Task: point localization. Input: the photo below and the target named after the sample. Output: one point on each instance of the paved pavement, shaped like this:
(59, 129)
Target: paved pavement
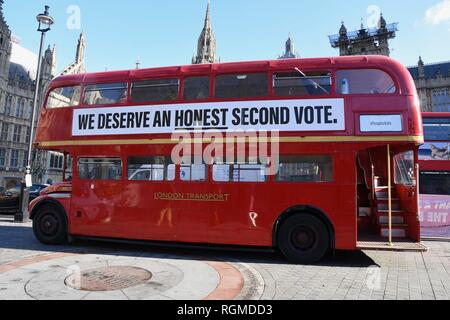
(32, 271)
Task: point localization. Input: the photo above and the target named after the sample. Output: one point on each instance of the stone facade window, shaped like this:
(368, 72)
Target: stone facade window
(20, 107)
(441, 100)
(8, 105)
(25, 159)
(5, 132)
(17, 134)
(2, 157)
(14, 162)
(56, 161)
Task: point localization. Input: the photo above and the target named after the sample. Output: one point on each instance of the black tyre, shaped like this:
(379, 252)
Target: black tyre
(303, 238)
(50, 225)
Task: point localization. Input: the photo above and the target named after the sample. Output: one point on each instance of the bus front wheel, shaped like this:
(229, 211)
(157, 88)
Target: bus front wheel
(303, 238)
(50, 225)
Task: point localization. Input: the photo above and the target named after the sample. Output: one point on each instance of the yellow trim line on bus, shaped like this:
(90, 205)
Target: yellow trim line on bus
(74, 143)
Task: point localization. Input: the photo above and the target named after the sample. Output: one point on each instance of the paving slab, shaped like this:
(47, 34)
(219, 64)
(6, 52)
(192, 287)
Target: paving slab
(30, 270)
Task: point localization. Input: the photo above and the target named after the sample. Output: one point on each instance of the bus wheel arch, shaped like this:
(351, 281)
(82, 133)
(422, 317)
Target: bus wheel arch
(307, 214)
(50, 222)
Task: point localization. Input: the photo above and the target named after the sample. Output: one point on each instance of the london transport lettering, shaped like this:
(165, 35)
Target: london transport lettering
(287, 115)
(206, 197)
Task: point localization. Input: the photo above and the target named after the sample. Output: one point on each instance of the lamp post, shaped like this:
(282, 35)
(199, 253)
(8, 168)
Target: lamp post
(45, 22)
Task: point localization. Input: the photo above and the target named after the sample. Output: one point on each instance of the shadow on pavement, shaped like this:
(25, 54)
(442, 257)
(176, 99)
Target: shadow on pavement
(17, 237)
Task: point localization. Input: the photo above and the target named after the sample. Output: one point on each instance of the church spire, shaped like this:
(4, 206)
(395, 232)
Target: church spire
(3, 25)
(2, 18)
(208, 16)
(289, 52)
(79, 59)
(206, 47)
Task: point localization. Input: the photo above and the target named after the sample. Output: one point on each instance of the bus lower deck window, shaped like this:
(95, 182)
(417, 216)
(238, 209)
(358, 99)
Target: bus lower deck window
(103, 94)
(250, 85)
(240, 172)
(99, 169)
(297, 84)
(305, 169)
(64, 97)
(193, 172)
(158, 168)
(364, 81)
(155, 90)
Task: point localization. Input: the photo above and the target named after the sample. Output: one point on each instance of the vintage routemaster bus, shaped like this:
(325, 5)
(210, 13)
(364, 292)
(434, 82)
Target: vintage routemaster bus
(434, 159)
(342, 137)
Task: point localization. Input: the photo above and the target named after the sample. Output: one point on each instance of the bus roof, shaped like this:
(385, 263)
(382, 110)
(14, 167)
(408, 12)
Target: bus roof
(351, 62)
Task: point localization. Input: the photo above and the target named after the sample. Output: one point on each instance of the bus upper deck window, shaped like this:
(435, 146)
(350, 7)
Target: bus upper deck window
(109, 93)
(302, 84)
(241, 85)
(155, 90)
(196, 88)
(64, 97)
(364, 81)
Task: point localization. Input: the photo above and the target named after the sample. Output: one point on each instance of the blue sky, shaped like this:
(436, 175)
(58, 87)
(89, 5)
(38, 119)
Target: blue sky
(164, 33)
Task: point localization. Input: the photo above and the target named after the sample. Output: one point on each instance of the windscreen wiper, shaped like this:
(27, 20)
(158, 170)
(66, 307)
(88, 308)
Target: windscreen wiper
(312, 81)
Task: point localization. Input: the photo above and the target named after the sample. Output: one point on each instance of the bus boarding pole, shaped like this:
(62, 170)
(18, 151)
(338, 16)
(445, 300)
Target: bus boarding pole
(389, 193)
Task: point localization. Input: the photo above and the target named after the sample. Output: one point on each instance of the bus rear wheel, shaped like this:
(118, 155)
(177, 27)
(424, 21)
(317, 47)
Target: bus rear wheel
(50, 225)
(303, 238)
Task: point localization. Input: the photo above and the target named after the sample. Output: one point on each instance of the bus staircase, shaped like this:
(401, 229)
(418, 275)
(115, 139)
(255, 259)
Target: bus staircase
(380, 240)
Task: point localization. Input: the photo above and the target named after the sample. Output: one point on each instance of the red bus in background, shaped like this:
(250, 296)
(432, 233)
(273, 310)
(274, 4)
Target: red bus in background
(434, 158)
(342, 137)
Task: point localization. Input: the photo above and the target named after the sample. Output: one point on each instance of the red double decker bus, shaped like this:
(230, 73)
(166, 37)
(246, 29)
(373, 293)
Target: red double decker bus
(301, 155)
(434, 161)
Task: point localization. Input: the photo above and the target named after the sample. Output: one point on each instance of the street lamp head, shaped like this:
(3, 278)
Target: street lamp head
(45, 20)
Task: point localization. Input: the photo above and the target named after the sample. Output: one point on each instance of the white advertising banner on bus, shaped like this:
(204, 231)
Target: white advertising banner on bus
(278, 115)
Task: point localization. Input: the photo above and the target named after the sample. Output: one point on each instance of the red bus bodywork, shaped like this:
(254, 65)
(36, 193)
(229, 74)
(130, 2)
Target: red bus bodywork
(128, 210)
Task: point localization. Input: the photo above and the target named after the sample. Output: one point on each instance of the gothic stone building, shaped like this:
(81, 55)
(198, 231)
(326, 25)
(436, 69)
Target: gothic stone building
(433, 85)
(365, 41)
(17, 85)
(432, 80)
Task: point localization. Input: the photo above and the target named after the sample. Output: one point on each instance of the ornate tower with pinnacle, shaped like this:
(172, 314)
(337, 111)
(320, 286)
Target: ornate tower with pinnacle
(78, 65)
(49, 67)
(206, 48)
(289, 52)
(365, 41)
